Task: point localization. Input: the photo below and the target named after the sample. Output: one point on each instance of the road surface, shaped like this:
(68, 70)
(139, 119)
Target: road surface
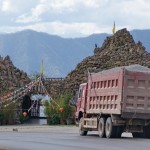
(63, 138)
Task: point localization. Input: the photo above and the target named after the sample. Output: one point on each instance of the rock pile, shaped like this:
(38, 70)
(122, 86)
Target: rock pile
(54, 86)
(11, 77)
(117, 50)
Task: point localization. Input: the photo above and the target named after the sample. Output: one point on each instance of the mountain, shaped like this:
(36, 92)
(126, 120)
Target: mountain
(143, 36)
(28, 48)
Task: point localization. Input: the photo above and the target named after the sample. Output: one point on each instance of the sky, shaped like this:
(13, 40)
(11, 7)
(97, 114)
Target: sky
(73, 18)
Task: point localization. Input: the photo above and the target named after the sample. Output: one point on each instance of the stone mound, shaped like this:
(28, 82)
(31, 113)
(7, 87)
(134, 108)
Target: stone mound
(11, 77)
(117, 50)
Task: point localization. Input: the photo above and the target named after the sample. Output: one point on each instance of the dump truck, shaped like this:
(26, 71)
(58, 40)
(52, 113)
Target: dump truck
(115, 101)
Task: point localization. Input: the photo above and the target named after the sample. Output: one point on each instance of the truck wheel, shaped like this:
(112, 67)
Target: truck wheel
(101, 127)
(81, 129)
(109, 128)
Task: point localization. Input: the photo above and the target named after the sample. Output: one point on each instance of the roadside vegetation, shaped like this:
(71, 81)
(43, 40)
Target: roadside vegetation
(59, 111)
(8, 114)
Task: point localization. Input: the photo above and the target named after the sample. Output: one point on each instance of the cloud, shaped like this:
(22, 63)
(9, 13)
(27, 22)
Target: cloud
(60, 28)
(17, 6)
(6, 6)
(75, 17)
(57, 7)
(45, 6)
(34, 14)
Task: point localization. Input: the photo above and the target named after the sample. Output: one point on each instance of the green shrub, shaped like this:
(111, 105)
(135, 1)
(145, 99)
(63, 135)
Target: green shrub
(8, 114)
(52, 110)
(52, 113)
(54, 120)
(1, 117)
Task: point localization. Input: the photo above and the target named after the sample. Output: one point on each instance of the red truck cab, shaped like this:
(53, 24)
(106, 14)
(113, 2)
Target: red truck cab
(81, 101)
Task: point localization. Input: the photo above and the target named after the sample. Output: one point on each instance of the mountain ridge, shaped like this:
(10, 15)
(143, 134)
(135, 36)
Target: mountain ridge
(28, 48)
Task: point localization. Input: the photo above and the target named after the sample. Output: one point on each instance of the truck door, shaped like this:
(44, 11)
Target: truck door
(81, 99)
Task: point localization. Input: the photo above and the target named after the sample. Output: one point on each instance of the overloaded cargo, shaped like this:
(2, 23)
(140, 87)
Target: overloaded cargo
(115, 101)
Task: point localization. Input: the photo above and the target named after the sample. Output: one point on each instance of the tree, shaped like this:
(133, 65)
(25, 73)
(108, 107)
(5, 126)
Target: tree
(60, 111)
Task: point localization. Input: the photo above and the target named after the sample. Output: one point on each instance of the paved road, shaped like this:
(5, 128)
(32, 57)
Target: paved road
(63, 138)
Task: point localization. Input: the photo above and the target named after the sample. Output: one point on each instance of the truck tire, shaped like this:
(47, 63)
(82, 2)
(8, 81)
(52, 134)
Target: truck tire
(110, 130)
(101, 127)
(81, 129)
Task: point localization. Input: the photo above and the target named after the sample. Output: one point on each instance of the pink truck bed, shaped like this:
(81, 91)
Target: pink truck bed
(123, 92)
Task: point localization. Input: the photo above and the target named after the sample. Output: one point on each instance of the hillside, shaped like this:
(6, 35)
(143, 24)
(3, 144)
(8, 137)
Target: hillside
(28, 48)
(11, 77)
(117, 50)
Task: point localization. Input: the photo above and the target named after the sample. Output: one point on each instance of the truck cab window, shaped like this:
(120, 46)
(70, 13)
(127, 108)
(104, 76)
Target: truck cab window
(80, 93)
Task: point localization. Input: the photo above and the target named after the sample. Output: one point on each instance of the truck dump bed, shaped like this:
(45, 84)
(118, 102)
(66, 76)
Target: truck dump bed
(121, 90)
